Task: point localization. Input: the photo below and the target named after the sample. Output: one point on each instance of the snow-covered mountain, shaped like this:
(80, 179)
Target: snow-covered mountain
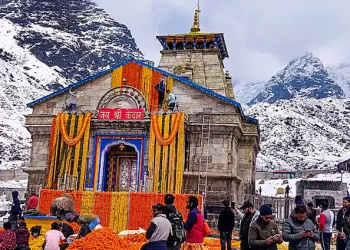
(304, 76)
(340, 73)
(245, 92)
(303, 133)
(44, 45)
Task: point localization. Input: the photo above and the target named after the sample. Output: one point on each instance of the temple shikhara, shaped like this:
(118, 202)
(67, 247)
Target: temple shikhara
(175, 128)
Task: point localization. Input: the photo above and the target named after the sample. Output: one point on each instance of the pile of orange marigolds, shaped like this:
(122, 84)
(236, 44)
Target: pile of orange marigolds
(107, 239)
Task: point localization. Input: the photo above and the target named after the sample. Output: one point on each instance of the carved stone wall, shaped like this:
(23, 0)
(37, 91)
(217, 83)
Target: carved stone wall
(207, 67)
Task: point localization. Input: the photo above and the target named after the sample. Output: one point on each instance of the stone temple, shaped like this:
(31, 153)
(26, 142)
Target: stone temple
(105, 136)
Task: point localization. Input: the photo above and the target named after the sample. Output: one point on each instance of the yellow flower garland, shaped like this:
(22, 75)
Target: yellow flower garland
(87, 203)
(118, 216)
(172, 161)
(156, 130)
(70, 141)
(117, 77)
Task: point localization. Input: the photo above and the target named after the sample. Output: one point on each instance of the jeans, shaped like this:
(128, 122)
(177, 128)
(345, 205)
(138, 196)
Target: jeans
(13, 220)
(326, 240)
(225, 239)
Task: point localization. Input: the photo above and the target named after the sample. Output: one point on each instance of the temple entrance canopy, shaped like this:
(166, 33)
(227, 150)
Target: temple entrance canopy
(121, 168)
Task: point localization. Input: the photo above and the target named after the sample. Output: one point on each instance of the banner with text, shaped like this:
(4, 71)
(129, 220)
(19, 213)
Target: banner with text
(123, 114)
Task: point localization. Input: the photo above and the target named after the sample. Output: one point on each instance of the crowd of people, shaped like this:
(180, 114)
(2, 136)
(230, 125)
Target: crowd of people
(168, 230)
(303, 228)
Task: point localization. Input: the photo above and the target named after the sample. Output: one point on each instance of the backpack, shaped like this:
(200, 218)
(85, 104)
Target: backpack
(177, 234)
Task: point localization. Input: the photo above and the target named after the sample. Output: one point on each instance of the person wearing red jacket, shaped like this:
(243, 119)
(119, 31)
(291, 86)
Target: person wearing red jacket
(194, 226)
(22, 236)
(32, 202)
(326, 226)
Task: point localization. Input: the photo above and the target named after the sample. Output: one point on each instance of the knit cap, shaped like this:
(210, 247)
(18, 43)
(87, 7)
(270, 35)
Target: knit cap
(265, 210)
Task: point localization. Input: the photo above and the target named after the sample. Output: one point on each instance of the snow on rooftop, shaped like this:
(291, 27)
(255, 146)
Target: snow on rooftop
(270, 187)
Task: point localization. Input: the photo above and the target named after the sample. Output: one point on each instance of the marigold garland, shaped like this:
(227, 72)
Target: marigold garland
(118, 210)
(69, 146)
(119, 205)
(166, 140)
(71, 141)
(166, 152)
(102, 206)
(117, 77)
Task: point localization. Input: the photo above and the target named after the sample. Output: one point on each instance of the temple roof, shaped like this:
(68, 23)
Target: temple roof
(195, 32)
(175, 77)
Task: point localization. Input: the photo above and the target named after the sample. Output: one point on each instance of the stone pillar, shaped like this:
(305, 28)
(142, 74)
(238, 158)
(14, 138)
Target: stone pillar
(39, 157)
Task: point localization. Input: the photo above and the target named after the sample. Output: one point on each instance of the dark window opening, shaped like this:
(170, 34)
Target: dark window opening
(200, 45)
(210, 45)
(189, 45)
(179, 46)
(170, 46)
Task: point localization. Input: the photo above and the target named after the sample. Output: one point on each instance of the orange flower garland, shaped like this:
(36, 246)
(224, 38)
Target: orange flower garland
(70, 141)
(46, 198)
(132, 72)
(102, 207)
(165, 141)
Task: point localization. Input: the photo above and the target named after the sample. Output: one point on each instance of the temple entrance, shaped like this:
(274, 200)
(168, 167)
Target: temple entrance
(121, 166)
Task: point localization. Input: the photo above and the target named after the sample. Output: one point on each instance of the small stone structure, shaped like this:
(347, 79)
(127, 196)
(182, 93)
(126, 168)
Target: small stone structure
(331, 192)
(13, 174)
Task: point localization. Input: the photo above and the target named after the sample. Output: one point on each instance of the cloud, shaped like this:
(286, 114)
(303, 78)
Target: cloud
(261, 36)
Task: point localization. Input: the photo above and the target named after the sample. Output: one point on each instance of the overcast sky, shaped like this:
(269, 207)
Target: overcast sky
(262, 36)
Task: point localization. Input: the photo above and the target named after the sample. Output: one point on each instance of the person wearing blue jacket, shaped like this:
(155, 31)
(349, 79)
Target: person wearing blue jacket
(15, 211)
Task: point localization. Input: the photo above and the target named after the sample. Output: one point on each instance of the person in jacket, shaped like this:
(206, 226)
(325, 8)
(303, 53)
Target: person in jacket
(340, 221)
(159, 229)
(326, 226)
(173, 242)
(53, 237)
(194, 226)
(22, 236)
(7, 238)
(32, 202)
(300, 231)
(263, 233)
(286, 192)
(299, 201)
(15, 210)
(310, 206)
(161, 93)
(248, 216)
(225, 225)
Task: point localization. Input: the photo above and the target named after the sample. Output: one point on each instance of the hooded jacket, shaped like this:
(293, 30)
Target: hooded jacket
(22, 236)
(16, 205)
(291, 233)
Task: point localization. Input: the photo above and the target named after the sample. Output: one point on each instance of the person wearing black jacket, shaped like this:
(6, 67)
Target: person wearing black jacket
(15, 211)
(340, 221)
(225, 225)
(313, 212)
(249, 216)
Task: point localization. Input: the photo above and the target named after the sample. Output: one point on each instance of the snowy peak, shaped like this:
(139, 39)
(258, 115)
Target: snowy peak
(341, 74)
(75, 36)
(45, 45)
(303, 133)
(304, 76)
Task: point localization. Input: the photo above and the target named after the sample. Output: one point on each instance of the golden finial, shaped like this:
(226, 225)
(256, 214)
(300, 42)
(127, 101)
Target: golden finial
(195, 28)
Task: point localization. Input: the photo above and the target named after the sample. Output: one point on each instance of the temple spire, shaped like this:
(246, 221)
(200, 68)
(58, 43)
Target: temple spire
(195, 28)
